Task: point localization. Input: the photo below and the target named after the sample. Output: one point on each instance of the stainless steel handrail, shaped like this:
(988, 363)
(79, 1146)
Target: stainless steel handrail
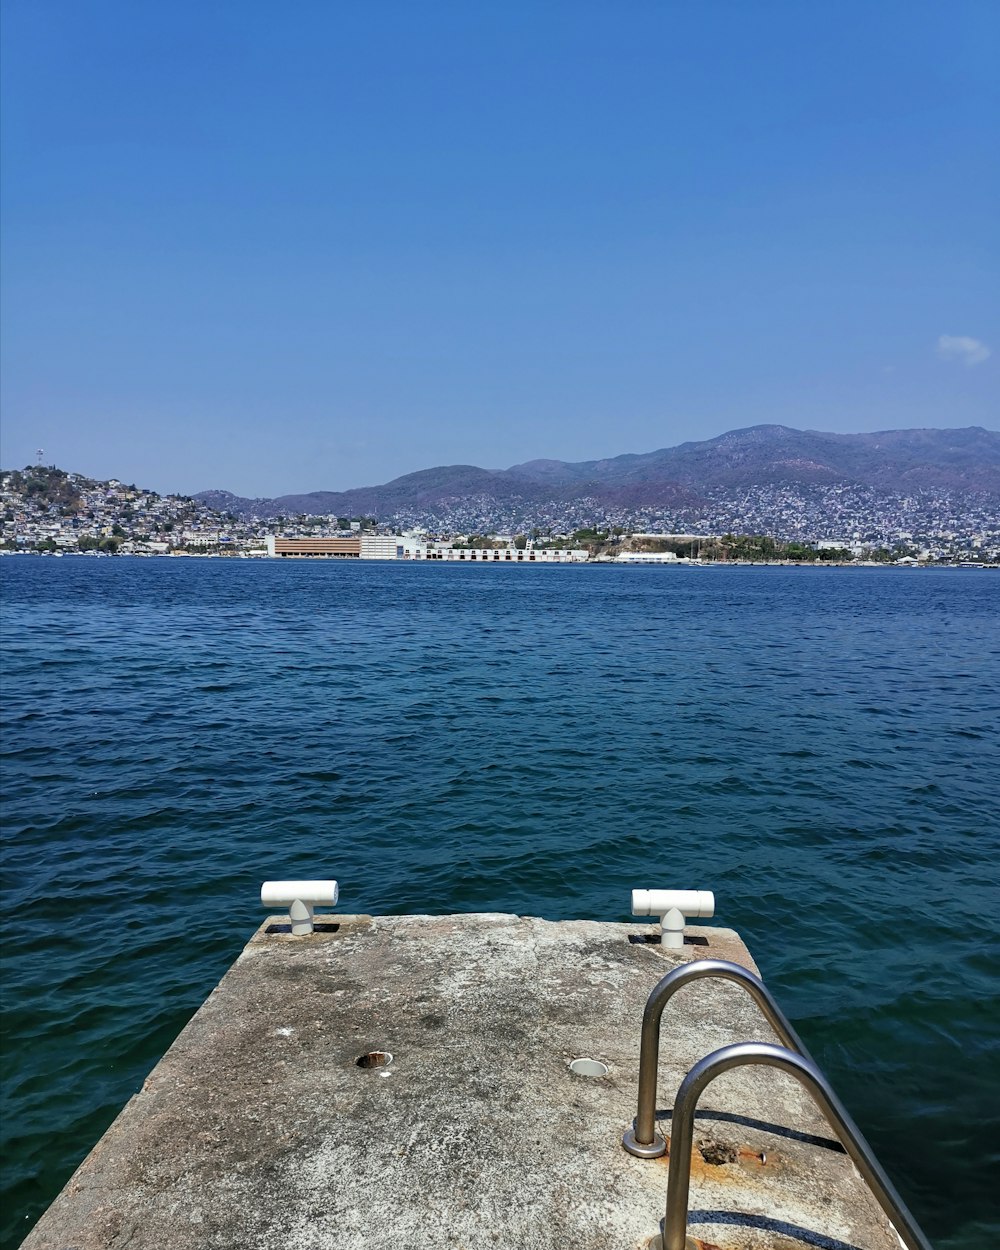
(642, 1138)
(808, 1074)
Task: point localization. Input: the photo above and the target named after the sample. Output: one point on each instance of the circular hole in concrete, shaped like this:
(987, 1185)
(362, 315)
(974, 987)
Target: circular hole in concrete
(588, 1067)
(374, 1059)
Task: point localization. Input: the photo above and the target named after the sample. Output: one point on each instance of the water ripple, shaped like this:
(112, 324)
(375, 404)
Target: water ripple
(819, 750)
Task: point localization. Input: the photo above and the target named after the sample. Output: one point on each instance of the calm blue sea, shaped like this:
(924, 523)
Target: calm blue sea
(819, 746)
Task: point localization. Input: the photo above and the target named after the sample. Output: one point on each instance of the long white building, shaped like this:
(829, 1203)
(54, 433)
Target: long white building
(413, 547)
(421, 549)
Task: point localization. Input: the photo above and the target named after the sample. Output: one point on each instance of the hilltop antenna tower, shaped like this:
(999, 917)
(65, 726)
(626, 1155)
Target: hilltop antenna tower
(38, 456)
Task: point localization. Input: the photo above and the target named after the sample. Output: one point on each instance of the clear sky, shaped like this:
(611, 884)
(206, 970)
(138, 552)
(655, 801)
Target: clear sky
(276, 247)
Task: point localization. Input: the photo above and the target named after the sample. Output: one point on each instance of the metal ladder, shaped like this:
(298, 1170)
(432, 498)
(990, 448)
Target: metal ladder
(792, 1058)
(642, 1139)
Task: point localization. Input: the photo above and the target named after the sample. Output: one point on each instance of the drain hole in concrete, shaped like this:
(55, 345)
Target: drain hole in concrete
(374, 1059)
(588, 1067)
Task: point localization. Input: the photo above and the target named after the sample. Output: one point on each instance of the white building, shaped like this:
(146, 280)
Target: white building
(411, 547)
(650, 557)
(381, 547)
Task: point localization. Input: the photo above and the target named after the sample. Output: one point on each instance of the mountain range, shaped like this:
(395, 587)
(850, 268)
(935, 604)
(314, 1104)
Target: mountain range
(682, 477)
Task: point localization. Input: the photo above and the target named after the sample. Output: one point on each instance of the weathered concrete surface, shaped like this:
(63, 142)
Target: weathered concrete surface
(258, 1130)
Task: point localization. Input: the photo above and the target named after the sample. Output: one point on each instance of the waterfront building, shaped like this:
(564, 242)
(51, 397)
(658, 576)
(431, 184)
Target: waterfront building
(399, 547)
(381, 547)
(494, 555)
(338, 548)
(650, 557)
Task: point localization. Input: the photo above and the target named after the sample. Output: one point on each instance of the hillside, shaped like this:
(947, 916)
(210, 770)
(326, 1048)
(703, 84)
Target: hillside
(896, 462)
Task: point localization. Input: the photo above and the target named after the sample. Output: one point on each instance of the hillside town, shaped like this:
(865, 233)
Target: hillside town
(943, 524)
(47, 510)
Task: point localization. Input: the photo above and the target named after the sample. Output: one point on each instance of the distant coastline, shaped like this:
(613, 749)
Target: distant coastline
(45, 508)
(965, 565)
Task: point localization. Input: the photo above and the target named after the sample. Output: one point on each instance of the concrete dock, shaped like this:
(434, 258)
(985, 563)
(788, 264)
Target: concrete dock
(259, 1130)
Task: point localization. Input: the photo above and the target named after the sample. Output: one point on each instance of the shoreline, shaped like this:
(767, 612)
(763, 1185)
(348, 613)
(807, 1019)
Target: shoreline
(613, 563)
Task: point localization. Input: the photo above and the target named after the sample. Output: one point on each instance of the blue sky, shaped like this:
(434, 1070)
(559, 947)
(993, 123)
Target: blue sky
(276, 248)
